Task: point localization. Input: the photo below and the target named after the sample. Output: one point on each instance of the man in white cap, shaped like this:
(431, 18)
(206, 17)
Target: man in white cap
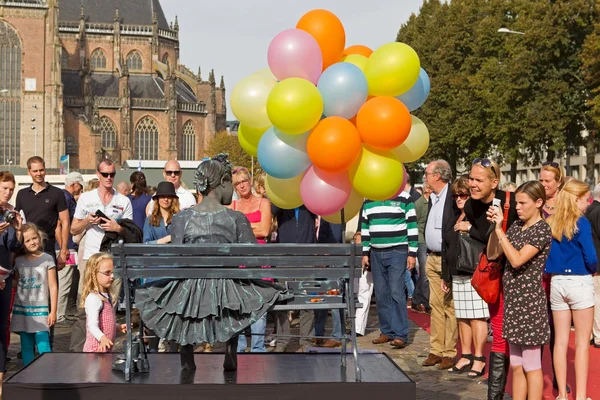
(172, 173)
(74, 184)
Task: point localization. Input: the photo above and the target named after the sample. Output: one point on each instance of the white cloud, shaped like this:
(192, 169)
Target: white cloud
(232, 36)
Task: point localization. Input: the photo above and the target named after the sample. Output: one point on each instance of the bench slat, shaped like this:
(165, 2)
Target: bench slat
(236, 273)
(234, 249)
(152, 260)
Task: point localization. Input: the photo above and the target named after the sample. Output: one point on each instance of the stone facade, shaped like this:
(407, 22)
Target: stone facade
(103, 79)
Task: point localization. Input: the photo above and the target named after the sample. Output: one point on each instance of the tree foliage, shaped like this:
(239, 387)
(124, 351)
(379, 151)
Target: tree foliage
(223, 142)
(516, 98)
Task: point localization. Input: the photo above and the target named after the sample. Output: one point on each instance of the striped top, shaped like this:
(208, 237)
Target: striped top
(390, 223)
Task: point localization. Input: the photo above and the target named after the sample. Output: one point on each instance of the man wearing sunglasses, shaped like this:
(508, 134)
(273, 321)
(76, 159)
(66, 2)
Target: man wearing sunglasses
(97, 212)
(172, 173)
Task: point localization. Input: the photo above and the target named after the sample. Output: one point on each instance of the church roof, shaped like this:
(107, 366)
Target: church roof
(131, 12)
(107, 85)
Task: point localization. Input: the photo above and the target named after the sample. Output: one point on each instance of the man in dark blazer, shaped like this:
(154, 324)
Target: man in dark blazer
(440, 222)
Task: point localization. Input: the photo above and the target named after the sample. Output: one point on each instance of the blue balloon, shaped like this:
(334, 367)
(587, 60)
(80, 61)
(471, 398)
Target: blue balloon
(344, 90)
(417, 95)
(281, 155)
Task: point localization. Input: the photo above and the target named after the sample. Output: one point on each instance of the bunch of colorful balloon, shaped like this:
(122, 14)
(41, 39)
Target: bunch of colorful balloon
(331, 125)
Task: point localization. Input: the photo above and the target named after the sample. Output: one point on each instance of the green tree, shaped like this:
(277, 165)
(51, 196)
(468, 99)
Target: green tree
(223, 142)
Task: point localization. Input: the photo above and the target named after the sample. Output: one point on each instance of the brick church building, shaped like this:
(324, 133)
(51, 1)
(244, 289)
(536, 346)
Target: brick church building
(100, 78)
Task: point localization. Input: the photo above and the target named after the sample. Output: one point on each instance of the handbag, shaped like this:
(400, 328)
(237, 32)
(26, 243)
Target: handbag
(469, 251)
(487, 277)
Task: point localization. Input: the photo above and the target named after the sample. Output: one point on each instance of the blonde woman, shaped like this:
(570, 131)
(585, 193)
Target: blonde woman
(572, 263)
(551, 177)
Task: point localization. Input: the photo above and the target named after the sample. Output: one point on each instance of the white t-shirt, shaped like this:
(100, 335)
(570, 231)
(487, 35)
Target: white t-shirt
(88, 203)
(186, 200)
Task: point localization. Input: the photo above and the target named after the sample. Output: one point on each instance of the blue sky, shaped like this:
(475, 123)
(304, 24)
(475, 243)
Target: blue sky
(232, 36)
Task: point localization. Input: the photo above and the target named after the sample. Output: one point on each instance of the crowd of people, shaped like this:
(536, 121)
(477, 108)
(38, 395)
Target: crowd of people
(544, 234)
(417, 255)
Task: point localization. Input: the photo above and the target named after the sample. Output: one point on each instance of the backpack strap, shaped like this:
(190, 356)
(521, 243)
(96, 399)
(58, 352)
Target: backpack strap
(506, 208)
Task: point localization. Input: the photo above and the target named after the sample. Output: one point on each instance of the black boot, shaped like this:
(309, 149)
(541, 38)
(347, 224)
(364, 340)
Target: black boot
(498, 371)
(186, 355)
(230, 362)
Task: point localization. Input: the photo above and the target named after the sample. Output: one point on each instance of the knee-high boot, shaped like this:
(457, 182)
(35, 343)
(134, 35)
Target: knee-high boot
(230, 362)
(186, 355)
(497, 376)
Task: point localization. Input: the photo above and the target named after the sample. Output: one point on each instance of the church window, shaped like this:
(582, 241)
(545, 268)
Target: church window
(188, 142)
(10, 95)
(165, 58)
(98, 59)
(70, 146)
(146, 139)
(64, 59)
(134, 61)
(108, 133)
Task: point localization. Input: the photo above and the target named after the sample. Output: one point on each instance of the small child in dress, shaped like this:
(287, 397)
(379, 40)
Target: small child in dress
(99, 309)
(35, 305)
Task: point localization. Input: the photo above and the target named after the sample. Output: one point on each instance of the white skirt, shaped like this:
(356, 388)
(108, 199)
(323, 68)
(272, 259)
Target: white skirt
(467, 302)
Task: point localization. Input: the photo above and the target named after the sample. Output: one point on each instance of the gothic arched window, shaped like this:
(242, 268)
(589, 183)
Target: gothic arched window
(134, 61)
(165, 58)
(64, 59)
(108, 133)
(188, 142)
(70, 146)
(146, 139)
(10, 97)
(98, 59)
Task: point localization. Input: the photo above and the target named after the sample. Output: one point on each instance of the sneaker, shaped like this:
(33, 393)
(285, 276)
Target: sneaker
(273, 343)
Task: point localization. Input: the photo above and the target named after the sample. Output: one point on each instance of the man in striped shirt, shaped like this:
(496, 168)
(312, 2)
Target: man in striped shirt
(390, 241)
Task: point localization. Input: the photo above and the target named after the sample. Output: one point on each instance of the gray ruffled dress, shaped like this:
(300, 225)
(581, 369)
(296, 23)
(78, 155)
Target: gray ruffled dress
(193, 311)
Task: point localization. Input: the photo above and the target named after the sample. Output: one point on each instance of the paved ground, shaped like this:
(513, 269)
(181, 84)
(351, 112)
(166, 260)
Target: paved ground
(431, 383)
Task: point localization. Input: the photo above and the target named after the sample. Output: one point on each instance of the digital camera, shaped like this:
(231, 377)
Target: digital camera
(9, 216)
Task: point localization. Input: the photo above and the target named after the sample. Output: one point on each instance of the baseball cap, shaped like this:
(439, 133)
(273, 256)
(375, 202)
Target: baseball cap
(74, 177)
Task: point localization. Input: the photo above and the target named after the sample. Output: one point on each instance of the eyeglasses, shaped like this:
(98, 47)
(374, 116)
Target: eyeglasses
(240, 169)
(462, 196)
(486, 163)
(550, 163)
(172, 173)
(240, 182)
(107, 273)
(429, 173)
(107, 174)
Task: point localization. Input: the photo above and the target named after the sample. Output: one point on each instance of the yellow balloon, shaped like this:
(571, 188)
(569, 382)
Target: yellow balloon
(416, 144)
(359, 60)
(249, 100)
(351, 209)
(249, 138)
(377, 174)
(392, 69)
(284, 193)
(294, 106)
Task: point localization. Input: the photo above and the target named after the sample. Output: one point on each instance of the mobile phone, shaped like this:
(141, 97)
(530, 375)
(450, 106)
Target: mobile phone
(497, 203)
(100, 214)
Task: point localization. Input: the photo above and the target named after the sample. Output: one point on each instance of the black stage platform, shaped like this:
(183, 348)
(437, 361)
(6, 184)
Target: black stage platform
(88, 376)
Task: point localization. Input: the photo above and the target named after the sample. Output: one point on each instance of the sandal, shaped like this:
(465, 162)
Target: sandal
(464, 368)
(476, 374)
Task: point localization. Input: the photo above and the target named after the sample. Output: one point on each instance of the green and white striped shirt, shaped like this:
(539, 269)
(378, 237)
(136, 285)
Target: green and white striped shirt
(390, 223)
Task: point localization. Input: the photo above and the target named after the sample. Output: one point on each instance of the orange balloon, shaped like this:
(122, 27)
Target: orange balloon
(358, 49)
(328, 31)
(383, 122)
(333, 144)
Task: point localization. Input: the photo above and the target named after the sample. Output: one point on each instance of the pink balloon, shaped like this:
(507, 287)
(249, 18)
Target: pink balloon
(403, 184)
(324, 193)
(294, 53)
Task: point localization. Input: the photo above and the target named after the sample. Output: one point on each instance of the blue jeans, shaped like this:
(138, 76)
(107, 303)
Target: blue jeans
(388, 267)
(410, 285)
(421, 295)
(30, 340)
(321, 318)
(258, 341)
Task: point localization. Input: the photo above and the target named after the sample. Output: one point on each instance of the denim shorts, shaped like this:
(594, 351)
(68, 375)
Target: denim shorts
(571, 292)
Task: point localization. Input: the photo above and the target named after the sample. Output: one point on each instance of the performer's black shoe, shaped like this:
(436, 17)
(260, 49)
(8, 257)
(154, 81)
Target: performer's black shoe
(186, 355)
(230, 362)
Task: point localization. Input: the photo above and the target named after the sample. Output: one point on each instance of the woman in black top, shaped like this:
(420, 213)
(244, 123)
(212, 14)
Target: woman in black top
(484, 178)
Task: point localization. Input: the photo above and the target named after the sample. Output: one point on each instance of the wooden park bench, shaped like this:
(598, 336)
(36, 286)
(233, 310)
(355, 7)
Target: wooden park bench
(304, 262)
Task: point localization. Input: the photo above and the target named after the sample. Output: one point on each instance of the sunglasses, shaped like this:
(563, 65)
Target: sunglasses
(172, 173)
(462, 196)
(486, 163)
(241, 169)
(550, 163)
(107, 174)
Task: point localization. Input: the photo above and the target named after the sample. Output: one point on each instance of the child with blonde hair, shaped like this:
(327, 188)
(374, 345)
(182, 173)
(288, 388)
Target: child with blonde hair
(34, 311)
(99, 307)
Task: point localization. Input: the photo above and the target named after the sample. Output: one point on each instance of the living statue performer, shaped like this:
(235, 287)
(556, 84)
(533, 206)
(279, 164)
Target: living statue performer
(193, 311)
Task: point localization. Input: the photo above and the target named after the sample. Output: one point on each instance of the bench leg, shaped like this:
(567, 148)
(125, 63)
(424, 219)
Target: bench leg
(352, 315)
(129, 345)
(344, 337)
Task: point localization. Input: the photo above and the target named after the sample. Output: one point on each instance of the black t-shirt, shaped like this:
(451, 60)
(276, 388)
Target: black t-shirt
(476, 210)
(42, 209)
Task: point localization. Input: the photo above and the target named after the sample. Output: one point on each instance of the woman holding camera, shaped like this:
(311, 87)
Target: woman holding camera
(11, 240)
